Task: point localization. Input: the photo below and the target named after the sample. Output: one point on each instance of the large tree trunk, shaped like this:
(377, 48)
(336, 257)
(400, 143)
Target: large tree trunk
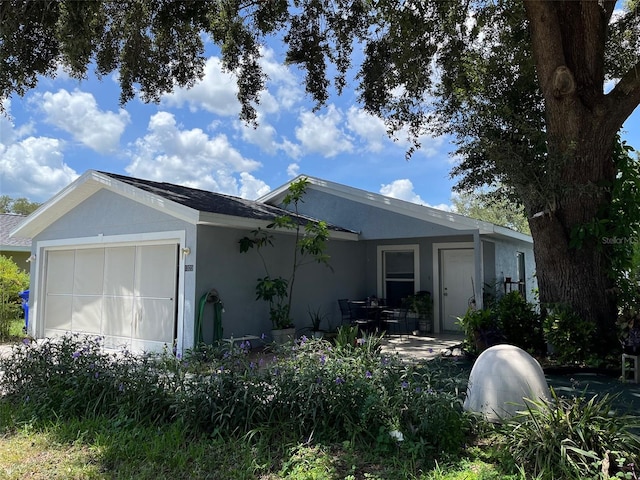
(568, 41)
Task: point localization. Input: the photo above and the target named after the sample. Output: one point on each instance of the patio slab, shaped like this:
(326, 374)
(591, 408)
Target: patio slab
(427, 347)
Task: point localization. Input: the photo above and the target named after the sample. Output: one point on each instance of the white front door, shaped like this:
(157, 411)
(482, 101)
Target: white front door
(456, 280)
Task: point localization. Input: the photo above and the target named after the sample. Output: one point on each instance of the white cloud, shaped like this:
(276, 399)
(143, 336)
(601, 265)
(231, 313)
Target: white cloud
(402, 189)
(34, 168)
(285, 85)
(252, 187)
(369, 127)
(293, 170)
(191, 158)
(78, 114)
(30, 166)
(320, 133)
(215, 93)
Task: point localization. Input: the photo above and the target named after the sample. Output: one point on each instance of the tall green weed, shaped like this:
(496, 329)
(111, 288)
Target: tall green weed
(574, 438)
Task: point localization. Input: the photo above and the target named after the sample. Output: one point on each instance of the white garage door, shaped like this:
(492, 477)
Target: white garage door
(126, 294)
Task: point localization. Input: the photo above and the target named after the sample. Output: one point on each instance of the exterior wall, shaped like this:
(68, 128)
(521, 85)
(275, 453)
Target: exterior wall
(371, 222)
(108, 213)
(506, 265)
(220, 265)
(101, 219)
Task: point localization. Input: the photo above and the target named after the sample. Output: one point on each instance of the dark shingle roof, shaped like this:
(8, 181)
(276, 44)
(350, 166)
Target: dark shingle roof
(8, 222)
(211, 202)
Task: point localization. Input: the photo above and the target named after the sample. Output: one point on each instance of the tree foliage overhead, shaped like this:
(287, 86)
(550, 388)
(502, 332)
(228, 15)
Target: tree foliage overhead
(492, 206)
(519, 83)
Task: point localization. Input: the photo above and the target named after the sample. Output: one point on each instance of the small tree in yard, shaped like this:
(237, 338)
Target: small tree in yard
(310, 246)
(13, 280)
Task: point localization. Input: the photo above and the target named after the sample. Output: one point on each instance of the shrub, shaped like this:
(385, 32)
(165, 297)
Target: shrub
(569, 334)
(574, 438)
(308, 390)
(13, 280)
(72, 376)
(520, 323)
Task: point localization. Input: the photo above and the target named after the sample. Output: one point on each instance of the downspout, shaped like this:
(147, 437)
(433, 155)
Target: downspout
(478, 269)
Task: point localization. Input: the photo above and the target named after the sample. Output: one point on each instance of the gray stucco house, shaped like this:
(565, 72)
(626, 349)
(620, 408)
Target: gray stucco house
(130, 259)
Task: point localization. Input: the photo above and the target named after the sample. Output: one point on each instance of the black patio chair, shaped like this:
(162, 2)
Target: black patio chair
(344, 310)
(397, 318)
(359, 316)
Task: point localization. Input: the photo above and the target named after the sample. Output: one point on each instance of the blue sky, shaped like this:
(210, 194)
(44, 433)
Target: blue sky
(193, 137)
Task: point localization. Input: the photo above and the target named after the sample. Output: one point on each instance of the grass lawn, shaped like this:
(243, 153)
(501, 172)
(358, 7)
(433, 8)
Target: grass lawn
(100, 449)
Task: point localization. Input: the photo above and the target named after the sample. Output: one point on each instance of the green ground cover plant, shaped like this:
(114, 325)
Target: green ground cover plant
(305, 393)
(306, 410)
(574, 438)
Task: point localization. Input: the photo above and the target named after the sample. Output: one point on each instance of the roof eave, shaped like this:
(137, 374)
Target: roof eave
(82, 188)
(230, 221)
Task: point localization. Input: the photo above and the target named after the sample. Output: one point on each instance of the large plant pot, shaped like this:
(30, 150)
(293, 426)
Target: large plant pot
(425, 325)
(283, 335)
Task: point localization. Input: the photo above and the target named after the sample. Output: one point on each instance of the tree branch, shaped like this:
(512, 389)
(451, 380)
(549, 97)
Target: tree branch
(546, 41)
(624, 98)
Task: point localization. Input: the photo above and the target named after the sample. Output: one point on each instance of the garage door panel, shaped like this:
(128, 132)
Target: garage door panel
(156, 270)
(119, 271)
(89, 272)
(60, 266)
(87, 314)
(154, 320)
(58, 312)
(118, 316)
(125, 293)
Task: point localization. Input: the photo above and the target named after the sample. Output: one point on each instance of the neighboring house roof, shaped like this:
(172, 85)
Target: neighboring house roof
(421, 212)
(8, 223)
(189, 204)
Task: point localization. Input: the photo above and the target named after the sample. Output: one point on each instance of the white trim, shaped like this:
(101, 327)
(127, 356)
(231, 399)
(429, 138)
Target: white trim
(178, 237)
(413, 247)
(436, 276)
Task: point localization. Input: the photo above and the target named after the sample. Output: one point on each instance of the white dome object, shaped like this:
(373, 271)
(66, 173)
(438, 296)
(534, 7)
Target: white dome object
(501, 377)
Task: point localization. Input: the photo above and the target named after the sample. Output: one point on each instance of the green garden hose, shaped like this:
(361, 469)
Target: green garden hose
(218, 307)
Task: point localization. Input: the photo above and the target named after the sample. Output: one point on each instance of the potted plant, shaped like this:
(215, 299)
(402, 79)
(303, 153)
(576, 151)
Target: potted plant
(481, 328)
(316, 317)
(421, 304)
(309, 246)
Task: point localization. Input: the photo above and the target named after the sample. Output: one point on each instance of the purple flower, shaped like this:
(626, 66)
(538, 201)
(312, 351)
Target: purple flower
(121, 388)
(323, 359)
(75, 354)
(252, 365)
(360, 341)
(339, 381)
(418, 390)
(404, 384)
(96, 375)
(26, 341)
(368, 374)
(263, 336)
